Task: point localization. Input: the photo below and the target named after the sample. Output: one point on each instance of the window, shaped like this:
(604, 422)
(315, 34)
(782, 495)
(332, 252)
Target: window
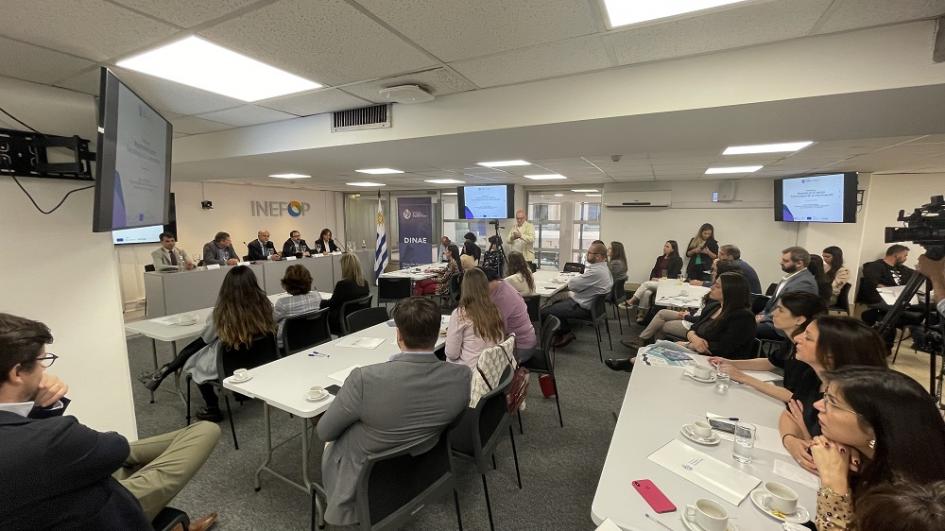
(586, 229)
(565, 225)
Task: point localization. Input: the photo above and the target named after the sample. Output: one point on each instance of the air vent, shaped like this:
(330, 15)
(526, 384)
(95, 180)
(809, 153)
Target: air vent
(373, 117)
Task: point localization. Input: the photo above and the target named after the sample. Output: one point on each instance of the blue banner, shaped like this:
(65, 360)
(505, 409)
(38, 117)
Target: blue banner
(416, 230)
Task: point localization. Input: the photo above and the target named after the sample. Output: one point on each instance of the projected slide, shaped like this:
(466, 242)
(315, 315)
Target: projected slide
(818, 198)
(140, 159)
(490, 202)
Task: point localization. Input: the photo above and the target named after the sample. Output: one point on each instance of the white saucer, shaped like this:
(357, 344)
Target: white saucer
(692, 526)
(323, 396)
(800, 515)
(710, 379)
(687, 432)
(235, 379)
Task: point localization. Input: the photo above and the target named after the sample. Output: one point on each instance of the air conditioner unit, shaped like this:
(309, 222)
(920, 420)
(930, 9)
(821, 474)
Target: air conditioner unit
(637, 199)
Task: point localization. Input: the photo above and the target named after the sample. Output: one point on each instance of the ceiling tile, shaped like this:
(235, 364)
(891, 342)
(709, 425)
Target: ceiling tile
(852, 14)
(315, 102)
(731, 28)
(328, 41)
(173, 97)
(247, 115)
(93, 29)
(186, 13)
(87, 82)
(461, 29)
(538, 62)
(439, 82)
(31, 63)
(192, 125)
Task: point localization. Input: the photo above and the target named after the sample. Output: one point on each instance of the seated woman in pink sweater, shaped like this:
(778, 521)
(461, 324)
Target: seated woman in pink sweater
(475, 324)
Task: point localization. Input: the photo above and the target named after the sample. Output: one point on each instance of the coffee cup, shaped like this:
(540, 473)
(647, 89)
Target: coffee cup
(702, 371)
(701, 429)
(316, 392)
(779, 497)
(708, 515)
(241, 374)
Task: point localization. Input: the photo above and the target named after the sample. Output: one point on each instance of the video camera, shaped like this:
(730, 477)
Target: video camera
(925, 226)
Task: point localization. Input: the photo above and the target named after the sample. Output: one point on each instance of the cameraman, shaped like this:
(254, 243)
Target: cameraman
(934, 270)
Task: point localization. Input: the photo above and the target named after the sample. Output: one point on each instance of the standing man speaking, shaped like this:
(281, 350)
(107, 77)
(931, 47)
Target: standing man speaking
(521, 237)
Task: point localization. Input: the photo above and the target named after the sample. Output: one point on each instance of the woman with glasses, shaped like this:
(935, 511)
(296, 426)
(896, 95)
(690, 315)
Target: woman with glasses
(879, 427)
(829, 343)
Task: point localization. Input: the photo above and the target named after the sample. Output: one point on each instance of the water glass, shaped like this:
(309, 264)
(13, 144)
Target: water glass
(722, 382)
(742, 448)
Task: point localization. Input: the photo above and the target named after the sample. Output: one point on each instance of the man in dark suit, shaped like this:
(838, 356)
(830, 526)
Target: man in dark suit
(383, 406)
(220, 251)
(295, 245)
(58, 474)
(794, 262)
(263, 249)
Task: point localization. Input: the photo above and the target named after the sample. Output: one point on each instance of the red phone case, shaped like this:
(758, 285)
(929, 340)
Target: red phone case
(654, 496)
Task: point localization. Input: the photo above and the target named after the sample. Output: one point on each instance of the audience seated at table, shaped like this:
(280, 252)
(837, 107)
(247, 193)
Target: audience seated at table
(262, 248)
(440, 285)
(386, 405)
(470, 248)
(886, 272)
(220, 251)
(297, 282)
(594, 281)
(242, 312)
(169, 257)
(476, 324)
(325, 244)
(56, 473)
(617, 261)
(794, 262)
(828, 343)
(514, 313)
(824, 287)
(668, 265)
(901, 506)
(352, 286)
(520, 275)
(701, 251)
(734, 254)
(792, 314)
(295, 245)
(879, 427)
(836, 272)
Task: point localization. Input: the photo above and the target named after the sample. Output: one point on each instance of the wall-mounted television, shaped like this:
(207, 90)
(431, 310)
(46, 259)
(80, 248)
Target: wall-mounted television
(133, 163)
(492, 201)
(826, 198)
(150, 234)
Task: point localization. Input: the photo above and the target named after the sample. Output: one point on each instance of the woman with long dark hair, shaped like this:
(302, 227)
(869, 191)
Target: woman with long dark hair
(476, 324)
(325, 244)
(242, 312)
(440, 285)
(520, 275)
(816, 268)
(835, 271)
(727, 327)
(879, 426)
(617, 261)
(668, 265)
(702, 250)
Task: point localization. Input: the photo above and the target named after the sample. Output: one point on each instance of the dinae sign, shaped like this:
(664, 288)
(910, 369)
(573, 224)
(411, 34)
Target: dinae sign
(416, 230)
(276, 209)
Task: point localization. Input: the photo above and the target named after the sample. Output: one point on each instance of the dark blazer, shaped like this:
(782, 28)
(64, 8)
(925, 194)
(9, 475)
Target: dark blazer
(320, 246)
(288, 248)
(673, 271)
(256, 250)
(754, 285)
(345, 290)
(803, 281)
(732, 337)
(876, 273)
(57, 474)
(214, 255)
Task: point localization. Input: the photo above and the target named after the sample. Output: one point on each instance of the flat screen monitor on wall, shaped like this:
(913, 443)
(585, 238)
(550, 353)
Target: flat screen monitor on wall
(494, 201)
(133, 163)
(828, 198)
(150, 234)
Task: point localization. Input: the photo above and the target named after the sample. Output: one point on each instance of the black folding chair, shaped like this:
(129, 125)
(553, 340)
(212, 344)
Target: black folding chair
(843, 300)
(366, 318)
(305, 331)
(533, 304)
(543, 359)
(598, 316)
(573, 267)
(149, 268)
(392, 289)
(618, 295)
(351, 306)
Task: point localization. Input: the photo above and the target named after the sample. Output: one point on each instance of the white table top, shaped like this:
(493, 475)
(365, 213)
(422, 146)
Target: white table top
(416, 273)
(161, 329)
(548, 281)
(283, 383)
(673, 292)
(890, 294)
(659, 401)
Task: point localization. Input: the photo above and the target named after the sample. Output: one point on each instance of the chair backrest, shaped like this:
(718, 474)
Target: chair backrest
(246, 258)
(353, 305)
(394, 484)
(304, 331)
(491, 417)
(771, 289)
(619, 292)
(532, 266)
(366, 318)
(843, 298)
(533, 304)
(544, 359)
(758, 303)
(573, 267)
(262, 351)
(490, 366)
(148, 268)
(392, 289)
(599, 306)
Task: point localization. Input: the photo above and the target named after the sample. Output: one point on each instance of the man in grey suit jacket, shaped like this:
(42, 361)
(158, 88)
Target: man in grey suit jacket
(168, 257)
(383, 406)
(220, 251)
(794, 262)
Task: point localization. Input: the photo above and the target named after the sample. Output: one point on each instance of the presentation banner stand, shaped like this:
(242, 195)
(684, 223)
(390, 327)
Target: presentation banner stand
(416, 230)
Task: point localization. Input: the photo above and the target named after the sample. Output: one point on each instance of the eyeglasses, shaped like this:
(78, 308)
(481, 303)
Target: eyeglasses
(831, 403)
(47, 360)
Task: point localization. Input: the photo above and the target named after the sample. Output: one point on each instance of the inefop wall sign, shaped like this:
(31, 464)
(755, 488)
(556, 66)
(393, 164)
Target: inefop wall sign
(275, 209)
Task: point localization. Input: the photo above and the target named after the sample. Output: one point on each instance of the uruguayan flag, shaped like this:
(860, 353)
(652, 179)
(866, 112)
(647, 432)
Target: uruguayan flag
(380, 249)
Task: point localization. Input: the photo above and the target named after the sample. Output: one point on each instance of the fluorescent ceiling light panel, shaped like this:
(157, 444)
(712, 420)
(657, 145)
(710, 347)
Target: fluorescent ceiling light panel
(592, 195)
(449, 193)
(784, 147)
(365, 184)
(379, 171)
(504, 163)
(290, 176)
(733, 169)
(585, 190)
(200, 63)
(624, 12)
(559, 195)
(546, 177)
(444, 181)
